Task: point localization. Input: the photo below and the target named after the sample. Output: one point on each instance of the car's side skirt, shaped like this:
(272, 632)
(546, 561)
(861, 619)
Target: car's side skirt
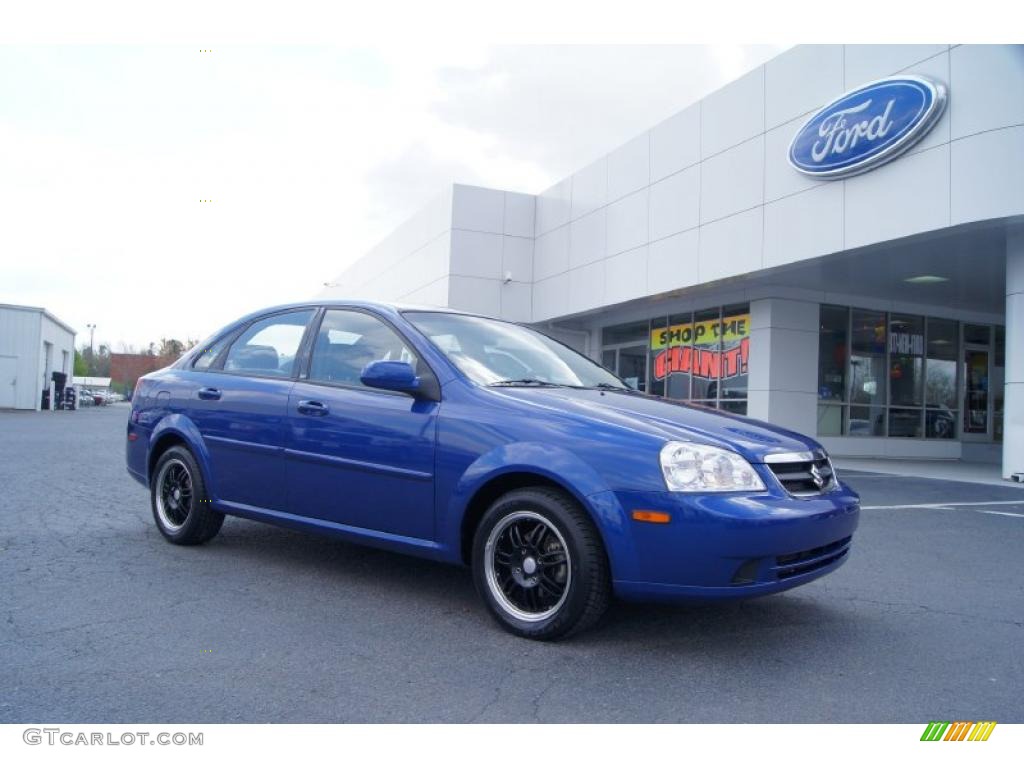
(381, 539)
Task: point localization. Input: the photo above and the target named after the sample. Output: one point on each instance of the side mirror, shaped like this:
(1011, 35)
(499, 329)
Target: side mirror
(393, 375)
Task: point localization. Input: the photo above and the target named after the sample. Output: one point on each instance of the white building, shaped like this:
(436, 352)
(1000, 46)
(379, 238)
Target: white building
(33, 344)
(882, 312)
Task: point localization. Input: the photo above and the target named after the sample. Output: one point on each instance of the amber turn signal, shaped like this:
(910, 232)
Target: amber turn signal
(649, 516)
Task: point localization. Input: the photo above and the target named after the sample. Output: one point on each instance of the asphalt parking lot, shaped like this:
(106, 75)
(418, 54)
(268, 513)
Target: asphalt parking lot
(103, 621)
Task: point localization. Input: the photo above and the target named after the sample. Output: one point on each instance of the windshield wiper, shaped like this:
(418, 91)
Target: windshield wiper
(612, 387)
(524, 383)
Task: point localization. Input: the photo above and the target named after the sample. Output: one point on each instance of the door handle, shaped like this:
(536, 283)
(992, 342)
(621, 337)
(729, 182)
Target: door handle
(209, 393)
(313, 408)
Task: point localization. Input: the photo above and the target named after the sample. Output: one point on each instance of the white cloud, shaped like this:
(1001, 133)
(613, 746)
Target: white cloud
(310, 156)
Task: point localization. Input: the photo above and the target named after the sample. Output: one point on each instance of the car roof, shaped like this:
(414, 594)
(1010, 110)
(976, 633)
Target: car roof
(379, 306)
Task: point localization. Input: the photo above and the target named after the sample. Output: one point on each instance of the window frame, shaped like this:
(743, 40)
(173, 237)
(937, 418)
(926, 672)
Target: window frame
(231, 336)
(430, 386)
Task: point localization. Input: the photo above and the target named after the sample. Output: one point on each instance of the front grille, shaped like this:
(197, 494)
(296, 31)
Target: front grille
(798, 563)
(803, 474)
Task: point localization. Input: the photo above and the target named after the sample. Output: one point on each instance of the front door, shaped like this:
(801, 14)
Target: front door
(359, 456)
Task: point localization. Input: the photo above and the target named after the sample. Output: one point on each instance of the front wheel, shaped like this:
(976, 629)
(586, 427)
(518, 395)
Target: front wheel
(181, 506)
(539, 564)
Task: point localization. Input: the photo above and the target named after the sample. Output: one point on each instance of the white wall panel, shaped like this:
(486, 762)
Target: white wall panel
(801, 80)
(865, 63)
(478, 208)
(550, 297)
(627, 223)
(590, 188)
(629, 167)
(519, 213)
(731, 246)
(988, 175)
(476, 254)
(517, 258)
(474, 294)
(986, 83)
(553, 207)
(672, 262)
(803, 226)
(733, 114)
(780, 179)
(586, 287)
(516, 302)
(675, 203)
(907, 196)
(675, 143)
(626, 276)
(551, 253)
(588, 238)
(732, 181)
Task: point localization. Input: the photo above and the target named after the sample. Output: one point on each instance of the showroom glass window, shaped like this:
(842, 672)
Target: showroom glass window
(697, 356)
(903, 383)
(906, 375)
(941, 398)
(624, 352)
(833, 361)
(868, 374)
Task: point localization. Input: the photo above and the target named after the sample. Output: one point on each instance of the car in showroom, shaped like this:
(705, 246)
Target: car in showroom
(481, 442)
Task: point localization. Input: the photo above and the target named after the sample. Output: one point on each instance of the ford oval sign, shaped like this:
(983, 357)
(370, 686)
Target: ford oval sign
(867, 127)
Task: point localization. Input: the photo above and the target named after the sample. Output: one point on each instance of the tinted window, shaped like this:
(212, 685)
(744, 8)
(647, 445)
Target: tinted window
(347, 341)
(268, 347)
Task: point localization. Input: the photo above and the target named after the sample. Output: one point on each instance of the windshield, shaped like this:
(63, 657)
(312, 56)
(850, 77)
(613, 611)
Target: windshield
(496, 353)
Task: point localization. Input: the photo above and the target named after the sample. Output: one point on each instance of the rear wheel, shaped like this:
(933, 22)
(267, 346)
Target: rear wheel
(181, 506)
(540, 566)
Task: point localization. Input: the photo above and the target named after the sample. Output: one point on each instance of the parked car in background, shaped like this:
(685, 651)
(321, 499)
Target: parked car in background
(85, 398)
(558, 485)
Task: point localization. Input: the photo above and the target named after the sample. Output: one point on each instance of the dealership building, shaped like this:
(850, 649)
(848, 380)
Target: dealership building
(834, 242)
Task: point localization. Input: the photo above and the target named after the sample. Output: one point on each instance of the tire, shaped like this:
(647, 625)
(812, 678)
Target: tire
(178, 495)
(540, 566)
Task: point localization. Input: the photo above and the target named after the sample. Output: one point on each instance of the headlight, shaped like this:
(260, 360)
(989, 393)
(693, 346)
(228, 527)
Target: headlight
(696, 467)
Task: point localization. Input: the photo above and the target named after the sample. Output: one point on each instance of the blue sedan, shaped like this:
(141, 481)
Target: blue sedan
(475, 441)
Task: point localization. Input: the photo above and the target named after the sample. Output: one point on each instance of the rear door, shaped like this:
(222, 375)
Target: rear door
(359, 456)
(239, 402)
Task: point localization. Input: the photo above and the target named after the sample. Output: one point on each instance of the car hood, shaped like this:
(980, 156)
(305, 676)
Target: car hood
(666, 419)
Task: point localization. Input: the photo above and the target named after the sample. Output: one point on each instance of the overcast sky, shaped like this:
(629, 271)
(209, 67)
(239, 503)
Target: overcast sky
(309, 156)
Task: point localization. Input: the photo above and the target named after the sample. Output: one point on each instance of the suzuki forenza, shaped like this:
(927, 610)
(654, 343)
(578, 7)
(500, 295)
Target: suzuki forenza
(471, 440)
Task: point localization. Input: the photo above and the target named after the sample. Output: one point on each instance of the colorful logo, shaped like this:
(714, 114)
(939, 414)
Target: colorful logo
(867, 127)
(958, 731)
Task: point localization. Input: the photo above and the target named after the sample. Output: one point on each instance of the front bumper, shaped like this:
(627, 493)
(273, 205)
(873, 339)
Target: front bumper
(720, 546)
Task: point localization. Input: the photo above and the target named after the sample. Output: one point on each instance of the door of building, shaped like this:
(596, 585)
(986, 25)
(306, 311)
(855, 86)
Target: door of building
(8, 381)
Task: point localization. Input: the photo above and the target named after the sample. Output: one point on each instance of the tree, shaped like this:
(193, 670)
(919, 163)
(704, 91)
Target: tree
(81, 364)
(171, 349)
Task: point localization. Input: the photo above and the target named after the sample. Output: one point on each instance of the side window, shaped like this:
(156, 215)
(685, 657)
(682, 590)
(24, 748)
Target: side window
(347, 341)
(268, 347)
(209, 354)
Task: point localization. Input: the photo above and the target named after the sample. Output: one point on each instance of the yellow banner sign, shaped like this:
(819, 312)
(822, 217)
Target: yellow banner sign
(706, 333)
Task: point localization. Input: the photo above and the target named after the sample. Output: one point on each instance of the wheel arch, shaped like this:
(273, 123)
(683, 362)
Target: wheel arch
(523, 465)
(177, 429)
